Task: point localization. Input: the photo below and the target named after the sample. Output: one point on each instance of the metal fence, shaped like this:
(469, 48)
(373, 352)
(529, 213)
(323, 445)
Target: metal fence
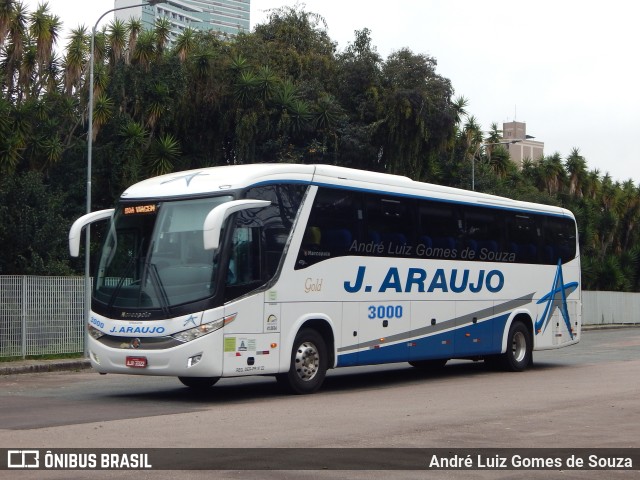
(41, 315)
(45, 315)
(610, 308)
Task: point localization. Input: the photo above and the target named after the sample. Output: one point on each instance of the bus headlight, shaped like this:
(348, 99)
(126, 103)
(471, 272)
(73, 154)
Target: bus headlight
(94, 332)
(204, 329)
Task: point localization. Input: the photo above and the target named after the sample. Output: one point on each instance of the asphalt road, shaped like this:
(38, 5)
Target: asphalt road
(587, 395)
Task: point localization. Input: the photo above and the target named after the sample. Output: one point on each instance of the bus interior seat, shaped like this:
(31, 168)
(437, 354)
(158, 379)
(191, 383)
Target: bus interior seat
(426, 241)
(444, 242)
(374, 237)
(394, 238)
(524, 251)
(312, 237)
(338, 238)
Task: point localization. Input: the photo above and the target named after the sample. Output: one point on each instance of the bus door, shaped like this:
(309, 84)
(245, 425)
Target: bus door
(252, 335)
(251, 344)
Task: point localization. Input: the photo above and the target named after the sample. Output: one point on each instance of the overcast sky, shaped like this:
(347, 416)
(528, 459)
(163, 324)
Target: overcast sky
(568, 68)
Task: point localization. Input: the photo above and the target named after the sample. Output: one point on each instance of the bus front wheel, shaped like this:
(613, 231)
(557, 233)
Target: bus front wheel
(519, 348)
(198, 383)
(308, 365)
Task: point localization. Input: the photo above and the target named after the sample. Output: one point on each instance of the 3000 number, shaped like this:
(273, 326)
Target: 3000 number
(385, 311)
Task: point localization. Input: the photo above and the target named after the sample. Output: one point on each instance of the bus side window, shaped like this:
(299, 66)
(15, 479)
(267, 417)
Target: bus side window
(275, 222)
(482, 231)
(439, 229)
(244, 271)
(559, 240)
(523, 237)
(332, 228)
(389, 222)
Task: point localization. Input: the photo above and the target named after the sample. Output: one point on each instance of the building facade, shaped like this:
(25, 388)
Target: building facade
(223, 16)
(526, 149)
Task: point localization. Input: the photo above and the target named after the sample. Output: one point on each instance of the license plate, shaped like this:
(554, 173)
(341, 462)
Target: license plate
(136, 362)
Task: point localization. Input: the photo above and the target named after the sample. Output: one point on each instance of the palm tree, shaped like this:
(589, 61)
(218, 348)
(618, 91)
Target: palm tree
(185, 43)
(6, 17)
(459, 108)
(162, 30)
(44, 28)
(157, 106)
(134, 27)
(134, 138)
(117, 36)
(26, 72)
(593, 184)
(630, 206)
(299, 113)
(553, 173)
(494, 138)
(494, 134)
(576, 167)
(16, 36)
(266, 82)
(75, 58)
(145, 50)
(609, 218)
(500, 161)
(245, 87)
(163, 153)
(102, 113)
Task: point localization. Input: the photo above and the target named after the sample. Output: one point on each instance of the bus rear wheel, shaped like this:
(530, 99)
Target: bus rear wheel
(199, 383)
(519, 349)
(308, 365)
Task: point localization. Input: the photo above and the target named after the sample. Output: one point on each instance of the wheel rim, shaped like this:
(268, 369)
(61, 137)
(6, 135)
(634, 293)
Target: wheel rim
(519, 347)
(307, 361)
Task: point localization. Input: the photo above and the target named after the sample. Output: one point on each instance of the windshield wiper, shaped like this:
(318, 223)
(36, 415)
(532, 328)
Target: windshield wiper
(159, 289)
(123, 276)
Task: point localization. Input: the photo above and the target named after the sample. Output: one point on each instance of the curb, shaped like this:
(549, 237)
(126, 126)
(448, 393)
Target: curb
(40, 366)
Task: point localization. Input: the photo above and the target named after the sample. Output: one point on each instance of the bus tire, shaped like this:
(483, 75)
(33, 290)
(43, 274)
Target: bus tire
(519, 348)
(308, 365)
(429, 365)
(199, 383)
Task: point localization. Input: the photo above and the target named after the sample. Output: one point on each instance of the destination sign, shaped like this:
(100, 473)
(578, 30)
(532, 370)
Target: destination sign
(140, 209)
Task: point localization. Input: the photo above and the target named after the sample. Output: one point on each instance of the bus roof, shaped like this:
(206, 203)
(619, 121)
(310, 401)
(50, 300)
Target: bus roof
(212, 180)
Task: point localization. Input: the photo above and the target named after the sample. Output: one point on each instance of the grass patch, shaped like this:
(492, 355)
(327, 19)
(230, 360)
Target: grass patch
(56, 356)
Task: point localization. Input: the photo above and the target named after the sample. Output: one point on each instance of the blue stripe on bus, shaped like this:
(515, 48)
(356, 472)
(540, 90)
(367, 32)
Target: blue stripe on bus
(469, 340)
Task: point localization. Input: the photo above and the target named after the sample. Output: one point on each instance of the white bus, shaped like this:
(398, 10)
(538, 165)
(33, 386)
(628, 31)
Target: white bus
(290, 270)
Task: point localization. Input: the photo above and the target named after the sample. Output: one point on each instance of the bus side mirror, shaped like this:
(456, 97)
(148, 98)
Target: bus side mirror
(216, 217)
(79, 224)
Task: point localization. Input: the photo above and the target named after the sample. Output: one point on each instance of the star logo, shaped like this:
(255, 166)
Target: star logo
(191, 319)
(556, 299)
(187, 178)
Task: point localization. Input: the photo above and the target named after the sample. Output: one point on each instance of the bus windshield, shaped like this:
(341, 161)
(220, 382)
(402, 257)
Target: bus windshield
(153, 256)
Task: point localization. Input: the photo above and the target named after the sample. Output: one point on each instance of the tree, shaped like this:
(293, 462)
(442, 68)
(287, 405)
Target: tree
(185, 43)
(33, 231)
(419, 117)
(577, 169)
(117, 37)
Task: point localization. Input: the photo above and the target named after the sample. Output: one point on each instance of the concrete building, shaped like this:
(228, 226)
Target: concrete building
(224, 16)
(527, 148)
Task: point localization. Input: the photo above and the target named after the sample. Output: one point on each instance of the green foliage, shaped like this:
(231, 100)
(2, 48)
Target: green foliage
(33, 231)
(281, 93)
